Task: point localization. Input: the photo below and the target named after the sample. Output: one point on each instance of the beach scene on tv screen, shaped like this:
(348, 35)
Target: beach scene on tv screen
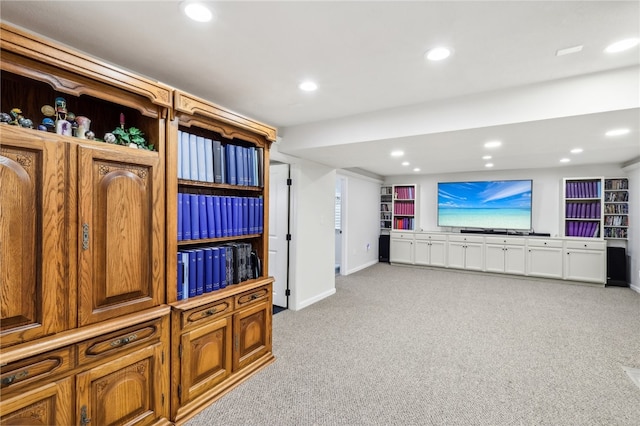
(486, 205)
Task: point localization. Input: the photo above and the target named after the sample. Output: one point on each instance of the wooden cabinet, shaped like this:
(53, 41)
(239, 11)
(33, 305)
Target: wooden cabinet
(430, 249)
(544, 258)
(47, 404)
(506, 255)
(401, 247)
(585, 261)
(465, 252)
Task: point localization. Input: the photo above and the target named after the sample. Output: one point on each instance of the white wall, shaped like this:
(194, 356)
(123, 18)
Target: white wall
(361, 198)
(633, 247)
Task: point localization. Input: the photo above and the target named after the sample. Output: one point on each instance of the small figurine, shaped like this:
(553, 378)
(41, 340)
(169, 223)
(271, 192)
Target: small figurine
(48, 123)
(25, 122)
(42, 127)
(109, 138)
(16, 115)
(48, 111)
(83, 126)
(90, 135)
(5, 118)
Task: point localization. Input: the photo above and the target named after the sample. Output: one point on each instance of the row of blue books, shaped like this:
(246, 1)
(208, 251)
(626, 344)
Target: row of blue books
(583, 189)
(217, 216)
(208, 160)
(583, 229)
(590, 210)
(208, 269)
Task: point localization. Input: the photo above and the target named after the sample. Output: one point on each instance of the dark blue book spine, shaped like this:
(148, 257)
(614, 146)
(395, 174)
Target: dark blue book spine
(245, 158)
(261, 215)
(208, 270)
(199, 272)
(223, 266)
(180, 216)
(216, 268)
(211, 221)
(195, 217)
(180, 275)
(229, 216)
(232, 178)
(235, 216)
(217, 161)
(252, 215)
(192, 273)
(223, 216)
(185, 274)
(204, 229)
(217, 209)
(245, 215)
(186, 217)
(239, 165)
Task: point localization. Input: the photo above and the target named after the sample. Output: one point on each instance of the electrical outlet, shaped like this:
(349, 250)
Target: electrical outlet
(368, 246)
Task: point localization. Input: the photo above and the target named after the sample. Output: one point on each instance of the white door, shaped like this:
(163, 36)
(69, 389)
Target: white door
(278, 230)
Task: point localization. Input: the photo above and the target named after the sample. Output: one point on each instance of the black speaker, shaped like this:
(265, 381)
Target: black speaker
(617, 266)
(383, 248)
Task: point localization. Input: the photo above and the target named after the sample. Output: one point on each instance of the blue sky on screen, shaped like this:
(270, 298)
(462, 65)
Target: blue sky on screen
(486, 194)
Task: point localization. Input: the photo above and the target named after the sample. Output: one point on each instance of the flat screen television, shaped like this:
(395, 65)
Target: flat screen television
(488, 205)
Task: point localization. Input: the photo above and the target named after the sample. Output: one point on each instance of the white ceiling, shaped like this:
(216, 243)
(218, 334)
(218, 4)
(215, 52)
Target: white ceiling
(367, 58)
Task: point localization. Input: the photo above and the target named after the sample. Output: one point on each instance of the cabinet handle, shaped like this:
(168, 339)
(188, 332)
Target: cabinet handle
(209, 312)
(84, 420)
(254, 296)
(10, 379)
(124, 340)
(85, 236)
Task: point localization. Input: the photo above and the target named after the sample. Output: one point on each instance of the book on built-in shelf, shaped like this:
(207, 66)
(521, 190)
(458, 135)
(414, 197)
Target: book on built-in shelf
(404, 207)
(616, 208)
(583, 207)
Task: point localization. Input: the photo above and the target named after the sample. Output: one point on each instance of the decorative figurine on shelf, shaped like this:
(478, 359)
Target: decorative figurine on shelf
(109, 138)
(90, 135)
(63, 126)
(83, 126)
(5, 118)
(132, 137)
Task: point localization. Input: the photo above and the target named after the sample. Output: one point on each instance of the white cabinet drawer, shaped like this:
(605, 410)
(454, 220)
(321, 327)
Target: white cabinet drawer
(505, 241)
(586, 245)
(466, 239)
(532, 242)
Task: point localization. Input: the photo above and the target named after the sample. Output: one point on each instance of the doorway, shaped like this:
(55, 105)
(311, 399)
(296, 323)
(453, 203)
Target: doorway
(339, 200)
(279, 234)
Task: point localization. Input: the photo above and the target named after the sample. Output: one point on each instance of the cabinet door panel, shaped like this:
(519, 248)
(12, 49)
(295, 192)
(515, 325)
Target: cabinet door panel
(514, 260)
(128, 390)
(206, 359)
(120, 243)
(495, 261)
(34, 298)
(252, 334)
(437, 255)
(544, 262)
(50, 404)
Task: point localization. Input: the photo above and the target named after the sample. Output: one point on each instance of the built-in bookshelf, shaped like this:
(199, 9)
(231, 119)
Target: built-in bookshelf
(616, 208)
(404, 207)
(582, 206)
(386, 208)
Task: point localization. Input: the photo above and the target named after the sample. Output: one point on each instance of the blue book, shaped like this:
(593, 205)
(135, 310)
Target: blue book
(232, 177)
(237, 218)
(180, 216)
(186, 217)
(245, 157)
(252, 229)
(223, 160)
(222, 254)
(200, 147)
(217, 209)
(239, 165)
(185, 274)
(195, 217)
(217, 162)
(193, 157)
(223, 216)
(186, 162)
(261, 215)
(253, 160)
(211, 221)
(229, 216)
(245, 215)
(216, 268)
(199, 272)
(180, 275)
(208, 159)
(256, 215)
(179, 165)
(193, 277)
(204, 229)
(208, 269)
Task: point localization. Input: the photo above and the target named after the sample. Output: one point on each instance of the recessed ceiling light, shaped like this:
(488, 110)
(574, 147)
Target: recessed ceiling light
(489, 165)
(405, 163)
(196, 11)
(486, 157)
(617, 132)
(576, 150)
(417, 169)
(565, 160)
(308, 86)
(437, 53)
(621, 45)
(492, 144)
(569, 50)
(397, 153)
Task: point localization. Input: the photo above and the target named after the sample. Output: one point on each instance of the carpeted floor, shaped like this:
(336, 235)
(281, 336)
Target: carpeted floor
(410, 346)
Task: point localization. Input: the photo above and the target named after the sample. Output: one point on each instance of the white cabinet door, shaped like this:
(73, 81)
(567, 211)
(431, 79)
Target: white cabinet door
(544, 262)
(495, 258)
(474, 256)
(422, 249)
(455, 254)
(585, 265)
(437, 253)
(514, 260)
(401, 251)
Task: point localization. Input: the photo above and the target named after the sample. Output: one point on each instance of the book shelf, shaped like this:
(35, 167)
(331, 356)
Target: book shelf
(616, 209)
(386, 208)
(404, 207)
(582, 207)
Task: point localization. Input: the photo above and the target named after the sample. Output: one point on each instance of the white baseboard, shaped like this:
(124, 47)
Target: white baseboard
(314, 299)
(360, 268)
(635, 288)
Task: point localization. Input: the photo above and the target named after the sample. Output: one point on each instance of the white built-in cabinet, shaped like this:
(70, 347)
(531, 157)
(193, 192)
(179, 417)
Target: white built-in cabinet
(573, 259)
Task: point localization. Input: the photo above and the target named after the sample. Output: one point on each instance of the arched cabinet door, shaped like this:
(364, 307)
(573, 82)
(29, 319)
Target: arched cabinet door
(119, 232)
(34, 295)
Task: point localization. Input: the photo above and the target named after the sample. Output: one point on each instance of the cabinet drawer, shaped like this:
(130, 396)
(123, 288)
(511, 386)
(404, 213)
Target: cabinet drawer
(39, 368)
(505, 240)
(467, 239)
(205, 313)
(432, 237)
(544, 243)
(403, 235)
(120, 341)
(586, 245)
(253, 296)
